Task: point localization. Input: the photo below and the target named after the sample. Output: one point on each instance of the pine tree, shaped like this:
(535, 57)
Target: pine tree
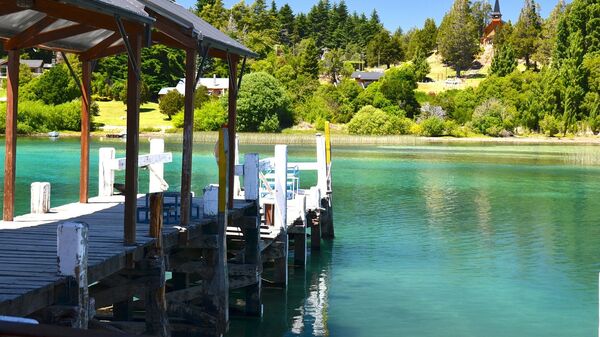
(422, 67)
(505, 61)
(214, 12)
(200, 4)
(481, 14)
(527, 32)
(547, 42)
(573, 78)
(458, 38)
(309, 58)
(429, 36)
(286, 20)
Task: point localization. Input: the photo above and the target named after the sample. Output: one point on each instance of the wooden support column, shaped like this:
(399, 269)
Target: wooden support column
(84, 173)
(232, 115)
(215, 293)
(188, 136)
(10, 159)
(157, 321)
(132, 147)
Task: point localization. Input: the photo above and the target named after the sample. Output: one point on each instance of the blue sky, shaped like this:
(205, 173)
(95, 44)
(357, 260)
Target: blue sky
(402, 13)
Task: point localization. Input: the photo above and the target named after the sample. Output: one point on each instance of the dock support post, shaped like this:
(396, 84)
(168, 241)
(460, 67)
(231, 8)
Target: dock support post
(72, 251)
(324, 187)
(40, 198)
(133, 146)
(188, 135)
(281, 263)
(215, 293)
(86, 100)
(252, 233)
(10, 158)
(157, 321)
(106, 176)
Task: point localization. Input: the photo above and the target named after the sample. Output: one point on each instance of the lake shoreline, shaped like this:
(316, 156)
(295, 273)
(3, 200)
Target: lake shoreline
(344, 139)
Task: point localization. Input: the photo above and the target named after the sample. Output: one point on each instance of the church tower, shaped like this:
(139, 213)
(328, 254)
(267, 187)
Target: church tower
(496, 14)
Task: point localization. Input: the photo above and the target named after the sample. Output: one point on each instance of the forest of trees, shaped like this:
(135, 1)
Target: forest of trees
(303, 72)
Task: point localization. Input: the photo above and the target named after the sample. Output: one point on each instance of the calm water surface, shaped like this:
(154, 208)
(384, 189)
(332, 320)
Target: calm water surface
(431, 240)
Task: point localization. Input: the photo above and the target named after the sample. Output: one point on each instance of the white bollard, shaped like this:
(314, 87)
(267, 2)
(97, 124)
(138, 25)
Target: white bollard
(156, 174)
(321, 165)
(251, 181)
(237, 186)
(106, 176)
(72, 251)
(281, 186)
(40, 198)
(211, 200)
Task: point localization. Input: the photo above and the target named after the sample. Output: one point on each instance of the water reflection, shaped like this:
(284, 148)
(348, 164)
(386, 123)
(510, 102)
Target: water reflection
(301, 310)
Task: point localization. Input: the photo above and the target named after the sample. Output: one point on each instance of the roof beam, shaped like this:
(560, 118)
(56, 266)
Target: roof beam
(94, 52)
(183, 36)
(164, 39)
(75, 14)
(31, 31)
(110, 51)
(57, 34)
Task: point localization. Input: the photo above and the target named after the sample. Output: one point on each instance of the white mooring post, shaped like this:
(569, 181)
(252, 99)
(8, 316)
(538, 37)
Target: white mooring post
(157, 182)
(237, 186)
(251, 181)
(72, 251)
(321, 165)
(40, 198)
(281, 186)
(106, 176)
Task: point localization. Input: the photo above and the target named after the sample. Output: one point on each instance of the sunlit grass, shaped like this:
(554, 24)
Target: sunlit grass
(114, 116)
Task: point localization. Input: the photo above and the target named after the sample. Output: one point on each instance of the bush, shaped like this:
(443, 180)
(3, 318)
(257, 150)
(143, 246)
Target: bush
(550, 125)
(261, 99)
(171, 103)
(54, 87)
(432, 127)
(38, 117)
(210, 117)
(494, 118)
(372, 121)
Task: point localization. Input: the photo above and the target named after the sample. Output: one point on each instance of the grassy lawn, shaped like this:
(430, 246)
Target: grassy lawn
(113, 116)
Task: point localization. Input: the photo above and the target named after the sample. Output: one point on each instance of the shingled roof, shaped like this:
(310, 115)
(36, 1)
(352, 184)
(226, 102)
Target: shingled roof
(202, 29)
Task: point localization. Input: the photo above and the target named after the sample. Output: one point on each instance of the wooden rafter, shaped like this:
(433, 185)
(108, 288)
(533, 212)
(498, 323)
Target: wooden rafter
(30, 32)
(60, 10)
(164, 39)
(168, 27)
(110, 51)
(94, 52)
(57, 34)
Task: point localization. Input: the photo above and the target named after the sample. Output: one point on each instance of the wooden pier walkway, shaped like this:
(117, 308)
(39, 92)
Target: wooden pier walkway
(29, 278)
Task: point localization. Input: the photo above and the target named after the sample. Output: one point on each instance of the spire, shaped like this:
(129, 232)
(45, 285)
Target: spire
(496, 15)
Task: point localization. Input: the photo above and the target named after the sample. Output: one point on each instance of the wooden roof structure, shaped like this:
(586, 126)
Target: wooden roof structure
(94, 29)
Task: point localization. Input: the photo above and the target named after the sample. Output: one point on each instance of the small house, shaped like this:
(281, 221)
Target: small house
(215, 86)
(36, 66)
(365, 78)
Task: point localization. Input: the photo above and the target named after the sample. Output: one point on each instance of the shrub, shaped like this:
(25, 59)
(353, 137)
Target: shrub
(171, 103)
(54, 87)
(260, 99)
(372, 121)
(432, 127)
(210, 117)
(39, 117)
(550, 125)
(494, 118)
(429, 110)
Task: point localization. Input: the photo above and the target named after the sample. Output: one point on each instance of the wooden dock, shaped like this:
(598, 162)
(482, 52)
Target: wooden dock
(175, 283)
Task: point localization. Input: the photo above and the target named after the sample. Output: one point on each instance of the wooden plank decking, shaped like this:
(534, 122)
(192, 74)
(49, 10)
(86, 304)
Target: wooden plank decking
(28, 263)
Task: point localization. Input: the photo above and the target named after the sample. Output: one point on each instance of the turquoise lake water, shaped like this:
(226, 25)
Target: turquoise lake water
(455, 240)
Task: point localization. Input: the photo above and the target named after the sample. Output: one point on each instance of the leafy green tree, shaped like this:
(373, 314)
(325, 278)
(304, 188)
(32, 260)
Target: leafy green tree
(458, 38)
(481, 11)
(25, 74)
(504, 61)
(171, 103)
(261, 101)
(309, 58)
(333, 63)
(55, 86)
(573, 78)
(384, 49)
(398, 85)
(527, 32)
